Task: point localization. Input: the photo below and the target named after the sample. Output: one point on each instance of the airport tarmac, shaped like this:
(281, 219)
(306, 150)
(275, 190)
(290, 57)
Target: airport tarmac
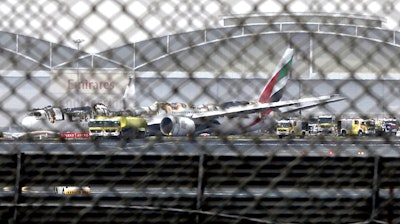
(358, 147)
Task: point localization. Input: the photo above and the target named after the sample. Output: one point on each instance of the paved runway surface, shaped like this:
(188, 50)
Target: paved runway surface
(369, 147)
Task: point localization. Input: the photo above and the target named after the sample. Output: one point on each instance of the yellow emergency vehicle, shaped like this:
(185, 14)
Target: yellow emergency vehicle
(124, 127)
(356, 126)
(291, 128)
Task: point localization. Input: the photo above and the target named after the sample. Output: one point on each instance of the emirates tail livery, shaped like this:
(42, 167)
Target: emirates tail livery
(179, 119)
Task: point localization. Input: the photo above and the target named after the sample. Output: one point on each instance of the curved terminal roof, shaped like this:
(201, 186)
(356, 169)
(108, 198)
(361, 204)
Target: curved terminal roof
(334, 45)
(281, 18)
(19, 52)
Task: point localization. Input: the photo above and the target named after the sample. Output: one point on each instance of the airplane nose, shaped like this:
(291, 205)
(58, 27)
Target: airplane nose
(28, 122)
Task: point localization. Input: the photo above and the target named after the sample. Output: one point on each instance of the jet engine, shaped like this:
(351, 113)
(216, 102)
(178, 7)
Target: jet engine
(178, 126)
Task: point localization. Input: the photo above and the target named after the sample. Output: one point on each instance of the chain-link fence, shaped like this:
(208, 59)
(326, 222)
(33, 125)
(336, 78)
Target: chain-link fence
(199, 112)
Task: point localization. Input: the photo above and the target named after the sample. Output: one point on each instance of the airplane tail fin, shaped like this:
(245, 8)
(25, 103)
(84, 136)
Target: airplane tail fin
(273, 91)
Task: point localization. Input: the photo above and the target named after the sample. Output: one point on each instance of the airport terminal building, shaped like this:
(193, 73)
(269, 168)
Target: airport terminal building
(351, 55)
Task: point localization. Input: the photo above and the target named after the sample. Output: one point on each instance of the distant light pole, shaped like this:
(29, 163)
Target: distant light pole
(78, 42)
(383, 100)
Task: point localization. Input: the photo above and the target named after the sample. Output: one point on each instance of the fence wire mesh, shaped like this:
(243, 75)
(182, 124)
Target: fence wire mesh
(137, 111)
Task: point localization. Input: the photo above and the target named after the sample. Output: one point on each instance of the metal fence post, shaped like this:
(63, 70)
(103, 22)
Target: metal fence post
(200, 184)
(375, 187)
(17, 187)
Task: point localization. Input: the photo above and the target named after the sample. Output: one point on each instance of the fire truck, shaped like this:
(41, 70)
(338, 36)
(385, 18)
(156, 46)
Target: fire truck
(291, 128)
(356, 126)
(124, 127)
(326, 125)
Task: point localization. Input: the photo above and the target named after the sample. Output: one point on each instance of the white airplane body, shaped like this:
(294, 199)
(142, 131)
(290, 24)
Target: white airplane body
(180, 119)
(230, 118)
(57, 120)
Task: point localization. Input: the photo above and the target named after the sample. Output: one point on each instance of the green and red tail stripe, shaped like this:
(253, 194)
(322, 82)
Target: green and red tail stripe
(273, 91)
